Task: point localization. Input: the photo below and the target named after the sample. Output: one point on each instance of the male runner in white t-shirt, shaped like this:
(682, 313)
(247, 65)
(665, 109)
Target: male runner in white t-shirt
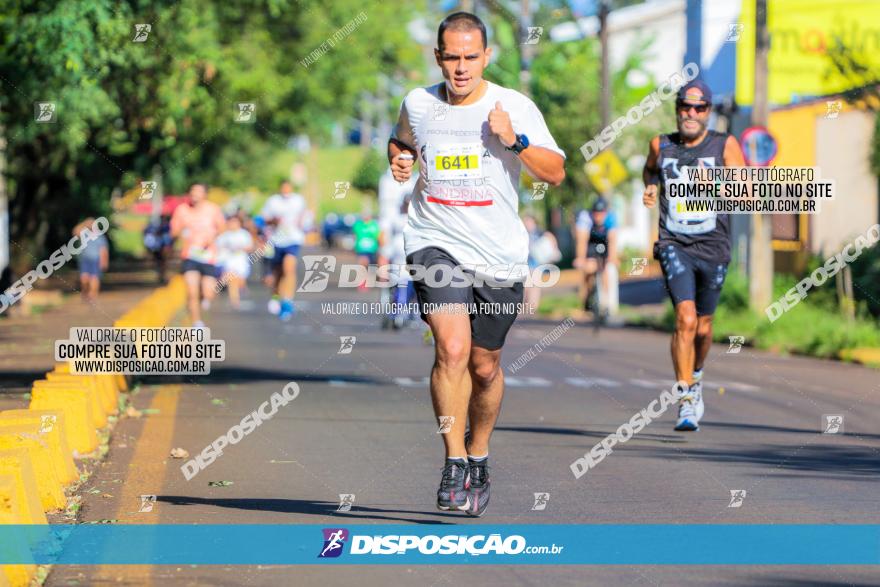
(288, 215)
(471, 138)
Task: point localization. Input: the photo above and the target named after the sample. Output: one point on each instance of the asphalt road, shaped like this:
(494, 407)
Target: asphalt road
(363, 425)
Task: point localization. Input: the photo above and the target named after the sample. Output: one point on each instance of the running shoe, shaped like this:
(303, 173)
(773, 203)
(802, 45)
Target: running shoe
(287, 310)
(479, 497)
(454, 492)
(687, 414)
(697, 391)
(274, 305)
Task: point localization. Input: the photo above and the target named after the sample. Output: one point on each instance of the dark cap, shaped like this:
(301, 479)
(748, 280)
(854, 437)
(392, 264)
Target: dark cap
(600, 205)
(686, 95)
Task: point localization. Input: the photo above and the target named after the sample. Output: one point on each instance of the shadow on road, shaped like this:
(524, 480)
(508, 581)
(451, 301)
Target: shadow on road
(843, 461)
(588, 433)
(765, 428)
(302, 506)
(221, 375)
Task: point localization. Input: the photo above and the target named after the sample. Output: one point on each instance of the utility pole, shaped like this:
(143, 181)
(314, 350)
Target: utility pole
(760, 240)
(605, 94)
(4, 209)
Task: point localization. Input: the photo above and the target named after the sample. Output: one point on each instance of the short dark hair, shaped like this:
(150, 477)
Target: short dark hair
(461, 21)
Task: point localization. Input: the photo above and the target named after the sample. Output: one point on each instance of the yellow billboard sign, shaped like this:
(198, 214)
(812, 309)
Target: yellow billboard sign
(802, 35)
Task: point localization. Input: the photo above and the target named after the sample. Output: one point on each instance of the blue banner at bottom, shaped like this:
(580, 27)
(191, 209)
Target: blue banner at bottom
(528, 544)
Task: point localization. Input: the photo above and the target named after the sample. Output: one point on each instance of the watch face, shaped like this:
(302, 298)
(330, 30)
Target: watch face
(524, 140)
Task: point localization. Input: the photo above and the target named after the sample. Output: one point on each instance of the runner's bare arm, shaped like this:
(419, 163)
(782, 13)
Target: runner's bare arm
(612, 247)
(733, 155)
(401, 141)
(580, 247)
(651, 174)
(544, 164)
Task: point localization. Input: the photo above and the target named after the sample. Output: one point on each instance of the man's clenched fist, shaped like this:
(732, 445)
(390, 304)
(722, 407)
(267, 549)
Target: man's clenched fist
(649, 198)
(401, 167)
(500, 126)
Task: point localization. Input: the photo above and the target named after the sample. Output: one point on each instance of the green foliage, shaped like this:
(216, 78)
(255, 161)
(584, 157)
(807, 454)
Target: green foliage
(566, 88)
(123, 107)
(370, 171)
(866, 279)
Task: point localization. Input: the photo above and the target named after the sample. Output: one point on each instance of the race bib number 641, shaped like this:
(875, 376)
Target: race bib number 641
(459, 161)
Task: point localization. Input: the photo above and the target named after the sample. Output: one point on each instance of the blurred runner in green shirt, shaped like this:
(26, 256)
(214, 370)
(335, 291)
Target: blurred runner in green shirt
(366, 242)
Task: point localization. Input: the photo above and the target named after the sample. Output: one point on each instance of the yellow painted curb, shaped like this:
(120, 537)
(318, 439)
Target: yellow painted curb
(865, 355)
(48, 425)
(49, 486)
(77, 414)
(105, 399)
(16, 575)
(17, 462)
(96, 411)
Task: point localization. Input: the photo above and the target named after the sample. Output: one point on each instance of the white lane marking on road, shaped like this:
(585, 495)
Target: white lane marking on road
(410, 382)
(526, 382)
(591, 382)
(340, 383)
(648, 383)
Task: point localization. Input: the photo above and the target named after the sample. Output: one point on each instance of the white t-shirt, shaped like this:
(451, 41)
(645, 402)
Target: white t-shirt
(232, 250)
(466, 199)
(292, 216)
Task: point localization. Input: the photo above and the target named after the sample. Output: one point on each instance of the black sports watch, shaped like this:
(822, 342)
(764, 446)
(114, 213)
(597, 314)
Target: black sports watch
(520, 145)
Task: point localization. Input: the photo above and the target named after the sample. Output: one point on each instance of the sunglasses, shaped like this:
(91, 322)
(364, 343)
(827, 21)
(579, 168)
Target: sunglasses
(700, 108)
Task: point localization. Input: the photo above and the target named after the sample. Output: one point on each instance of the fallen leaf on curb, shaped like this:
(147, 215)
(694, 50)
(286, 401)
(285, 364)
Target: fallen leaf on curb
(103, 521)
(106, 495)
(218, 402)
(131, 412)
(179, 453)
(150, 411)
(94, 490)
(274, 461)
(219, 483)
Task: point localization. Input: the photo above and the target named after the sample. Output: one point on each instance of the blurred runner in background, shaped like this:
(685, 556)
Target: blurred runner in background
(93, 261)
(595, 246)
(158, 242)
(288, 216)
(233, 246)
(543, 250)
(366, 242)
(197, 223)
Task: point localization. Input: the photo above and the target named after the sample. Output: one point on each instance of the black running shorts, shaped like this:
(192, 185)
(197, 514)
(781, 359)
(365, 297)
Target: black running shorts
(691, 278)
(492, 310)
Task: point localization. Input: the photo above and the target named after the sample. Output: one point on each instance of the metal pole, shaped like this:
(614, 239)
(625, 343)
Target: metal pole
(760, 242)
